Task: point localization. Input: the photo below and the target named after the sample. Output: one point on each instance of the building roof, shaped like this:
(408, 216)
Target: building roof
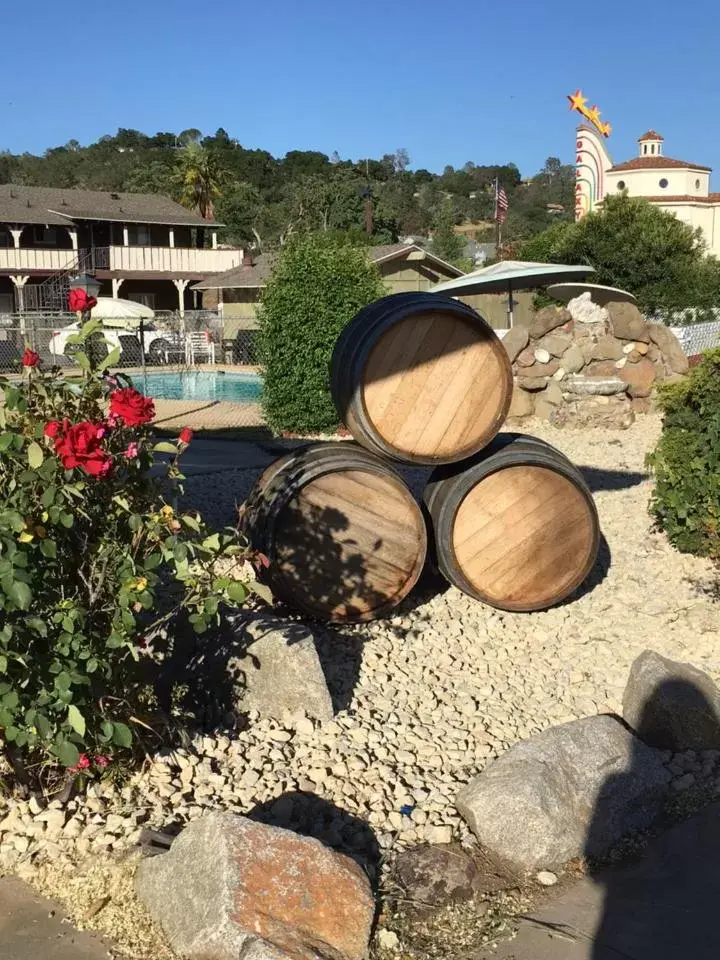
(650, 135)
(257, 274)
(686, 198)
(58, 206)
(656, 163)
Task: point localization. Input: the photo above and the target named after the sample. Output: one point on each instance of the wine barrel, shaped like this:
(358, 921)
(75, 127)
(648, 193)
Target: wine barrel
(422, 378)
(516, 526)
(344, 536)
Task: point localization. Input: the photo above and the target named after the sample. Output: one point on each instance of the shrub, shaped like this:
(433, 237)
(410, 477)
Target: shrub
(90, 550)
(686, 461)
(318, 285)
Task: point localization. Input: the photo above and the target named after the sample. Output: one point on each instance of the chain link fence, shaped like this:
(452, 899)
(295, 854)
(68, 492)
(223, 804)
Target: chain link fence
(169, 339)
(169, 359)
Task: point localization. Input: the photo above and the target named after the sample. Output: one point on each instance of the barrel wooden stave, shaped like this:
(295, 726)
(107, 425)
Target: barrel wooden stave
(421, 378)
(516, 527)
(345, 539)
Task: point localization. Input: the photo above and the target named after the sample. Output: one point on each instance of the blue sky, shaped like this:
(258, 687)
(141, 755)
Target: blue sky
(470, 81)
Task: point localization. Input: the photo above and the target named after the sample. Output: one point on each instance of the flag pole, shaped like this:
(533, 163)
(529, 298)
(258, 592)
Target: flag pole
(498, 223)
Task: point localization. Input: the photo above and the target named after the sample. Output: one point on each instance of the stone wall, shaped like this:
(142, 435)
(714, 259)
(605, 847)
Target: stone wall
(589, 363)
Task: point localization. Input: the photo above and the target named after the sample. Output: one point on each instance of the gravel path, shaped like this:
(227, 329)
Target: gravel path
(430, 694)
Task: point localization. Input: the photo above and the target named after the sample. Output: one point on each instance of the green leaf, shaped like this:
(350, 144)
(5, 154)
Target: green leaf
(76, 720)
(92, 665)
(110, 360)
(261, 590)
(165, 447)
(122, 735)
(48, 548)
(67, 753)
(43, 725)
(106, 729)
(237, 592)
(82, 360)
(63, 681)
(3, 664)
(48, 497)
(20, 594)
(35, 455)
(66, 519)
(191, 522)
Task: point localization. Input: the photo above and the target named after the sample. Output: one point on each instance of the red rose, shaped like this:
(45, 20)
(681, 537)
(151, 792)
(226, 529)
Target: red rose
(186, 435)
(30, 358)
(79, 300)
(134, 408)
(52, 429)
(80, 446)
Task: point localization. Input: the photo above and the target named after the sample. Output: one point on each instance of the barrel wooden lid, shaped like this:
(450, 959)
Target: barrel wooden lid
(349, 544)
(437, 385)
(525, 537)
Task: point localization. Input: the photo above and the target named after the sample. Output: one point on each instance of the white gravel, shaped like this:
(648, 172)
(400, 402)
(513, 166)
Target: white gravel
(432, 693)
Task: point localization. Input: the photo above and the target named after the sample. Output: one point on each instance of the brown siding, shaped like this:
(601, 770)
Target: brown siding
(493, 307)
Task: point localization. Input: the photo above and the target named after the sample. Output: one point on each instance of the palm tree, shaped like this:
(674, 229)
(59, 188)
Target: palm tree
(199, 177)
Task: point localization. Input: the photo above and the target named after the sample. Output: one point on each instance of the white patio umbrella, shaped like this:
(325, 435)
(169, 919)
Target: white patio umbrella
(121, 313)
(508, 275)
(599, 293)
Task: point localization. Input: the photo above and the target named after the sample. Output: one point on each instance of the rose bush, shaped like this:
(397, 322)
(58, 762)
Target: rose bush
(92, 558)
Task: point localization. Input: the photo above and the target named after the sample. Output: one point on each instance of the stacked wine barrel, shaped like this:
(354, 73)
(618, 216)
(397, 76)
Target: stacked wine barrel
(422, 379)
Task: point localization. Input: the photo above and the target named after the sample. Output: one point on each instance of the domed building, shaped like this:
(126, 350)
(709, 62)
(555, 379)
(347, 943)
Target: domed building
(681, 187)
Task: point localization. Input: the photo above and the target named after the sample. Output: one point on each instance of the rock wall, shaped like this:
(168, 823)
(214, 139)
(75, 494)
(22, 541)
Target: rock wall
(590, 364)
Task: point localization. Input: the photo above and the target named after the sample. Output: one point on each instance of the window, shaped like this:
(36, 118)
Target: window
(44, 236)
(697, 184)
(139, 235)
(644, 148)
(621, 184)
(663, 183)
(652, 148)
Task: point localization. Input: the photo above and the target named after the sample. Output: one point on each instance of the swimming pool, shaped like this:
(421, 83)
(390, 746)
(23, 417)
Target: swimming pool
(195, 385)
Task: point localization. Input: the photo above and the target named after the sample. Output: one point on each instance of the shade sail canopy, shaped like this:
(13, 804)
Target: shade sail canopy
(121, 313)
(508, 275)
(599, 294)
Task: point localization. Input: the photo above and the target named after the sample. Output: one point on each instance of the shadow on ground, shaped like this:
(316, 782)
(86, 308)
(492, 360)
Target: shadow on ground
(598, 479)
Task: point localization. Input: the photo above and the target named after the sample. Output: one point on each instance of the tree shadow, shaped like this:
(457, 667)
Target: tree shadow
(599, 479)
(662, 907)
(313, 816)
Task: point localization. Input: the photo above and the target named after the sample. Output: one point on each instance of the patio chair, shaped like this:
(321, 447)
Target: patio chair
(199, 346)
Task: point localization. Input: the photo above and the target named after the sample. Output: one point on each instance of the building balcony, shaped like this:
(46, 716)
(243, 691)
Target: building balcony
(131, 260)
(177, 260)
(37, 259)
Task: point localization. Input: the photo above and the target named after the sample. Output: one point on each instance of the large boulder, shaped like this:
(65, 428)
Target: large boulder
(547, 319)
(281, 668)
(639, 377)
(669, 346)
(573, 360)
(515, 340)
(230, 887)
(627, 322)
(435, 876)
(521, 404)
(607, 348)
(672, 705)
(576, 788)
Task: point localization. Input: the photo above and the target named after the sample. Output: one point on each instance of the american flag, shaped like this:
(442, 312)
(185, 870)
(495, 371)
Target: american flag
(501, 203)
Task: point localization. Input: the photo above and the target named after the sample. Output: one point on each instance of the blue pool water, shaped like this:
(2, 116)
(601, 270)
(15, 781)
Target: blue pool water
(235, 387)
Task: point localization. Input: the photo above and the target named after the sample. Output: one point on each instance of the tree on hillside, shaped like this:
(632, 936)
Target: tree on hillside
(637, 247)
(319, 283)
(445, 243)
(240, 208)
(199, 178)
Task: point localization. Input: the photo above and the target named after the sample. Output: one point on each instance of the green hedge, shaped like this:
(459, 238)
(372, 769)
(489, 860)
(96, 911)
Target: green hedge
(686, 461)
(319, 283)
